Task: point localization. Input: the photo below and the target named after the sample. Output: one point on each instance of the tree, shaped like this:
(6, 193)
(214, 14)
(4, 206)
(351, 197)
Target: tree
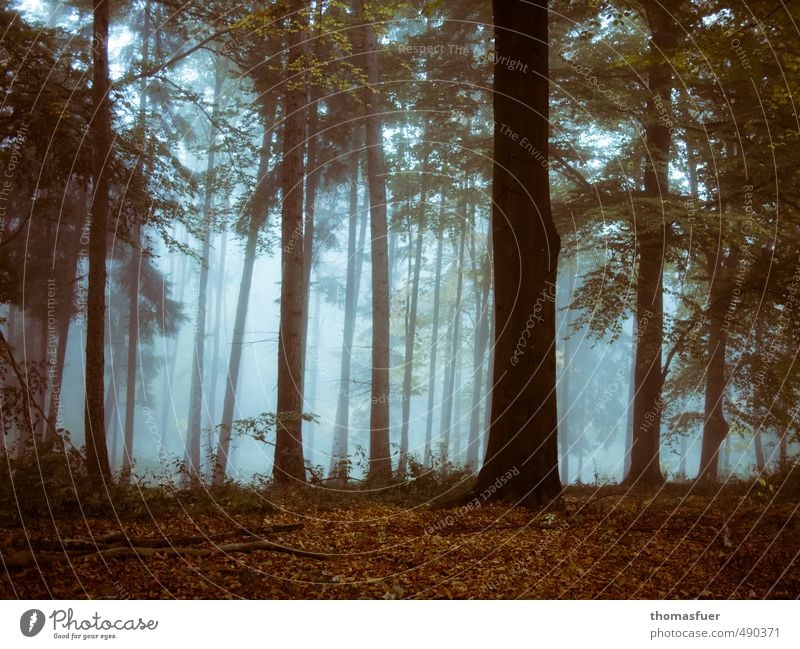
(652, 239)
(380, 462)
(257, 214)
(521, 462)
(289, 466)
(193, 430)
(96, 450)
(134, 267)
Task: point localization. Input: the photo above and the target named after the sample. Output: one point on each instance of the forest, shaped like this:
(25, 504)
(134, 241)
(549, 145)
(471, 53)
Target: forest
(311, 299)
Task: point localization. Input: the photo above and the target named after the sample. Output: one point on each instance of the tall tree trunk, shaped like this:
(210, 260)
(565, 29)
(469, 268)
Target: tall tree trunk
(478, 361)
(171, 354)
(380, 461)
(565, 403)
(454, 340)
(219, 331)
(65, 313)
(522, 452)
(437, 291)
(289, 466)
(97, 464)
(311, 182)
(193, 429)
(257, 209)
(313, 375)
(645, 469)
(758, 447)
(134, 271)
(411, 334)
(715, 427)
(355, 257)
(631, 401)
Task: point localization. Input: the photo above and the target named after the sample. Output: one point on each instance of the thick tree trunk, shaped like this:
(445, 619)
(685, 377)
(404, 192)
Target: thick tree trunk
(258, 214)
(193, 430)
(96, 451)
(380, 461)
(645, 469)
(522, 452)
(437, 291)
(339, 465)
(289, 466)
(715, 427)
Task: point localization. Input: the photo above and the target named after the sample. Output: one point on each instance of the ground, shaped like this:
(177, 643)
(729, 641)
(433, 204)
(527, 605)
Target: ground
(740, 542)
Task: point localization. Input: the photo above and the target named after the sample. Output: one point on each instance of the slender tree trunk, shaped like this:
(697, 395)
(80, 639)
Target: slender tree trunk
(311, 182)
(193, 430)
(289, 466)
(522, 452)
(134, 271)
(65, 313)
(218, 326)
(313, 375)
(380, 461)
(631, 401)
(411, 334)
(645, 469)
(783, 450)
(355, 256)
(478, 361)
(758, 447)
(258, 213)
(40, 425)
(171, 354)
(97, 464)
(565, 403)
(437, 291)
(454, 346)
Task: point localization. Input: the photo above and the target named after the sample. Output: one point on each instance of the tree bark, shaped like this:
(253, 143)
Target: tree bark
(715, 427)
(289, 466)
(522, 452)
(97, 465)
(380, 461)
(652, 235)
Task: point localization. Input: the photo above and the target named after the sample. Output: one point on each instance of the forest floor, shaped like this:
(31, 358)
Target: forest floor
(738, 541)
